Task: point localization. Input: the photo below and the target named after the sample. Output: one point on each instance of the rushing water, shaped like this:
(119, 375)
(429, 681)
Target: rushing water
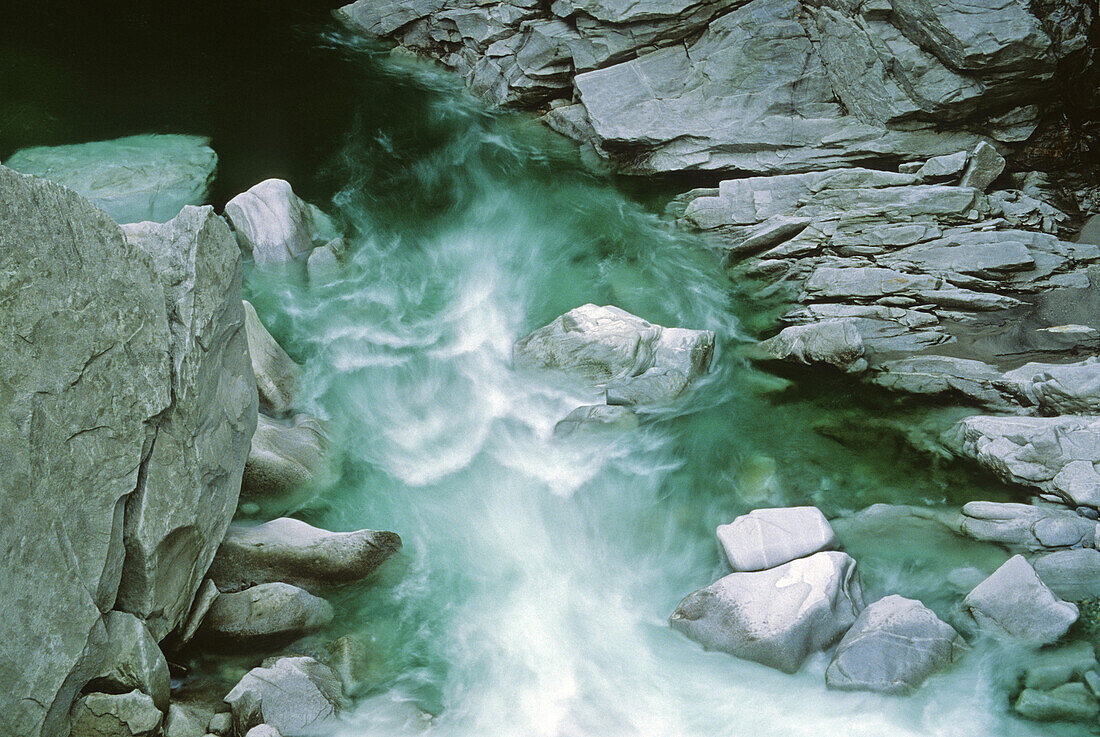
(537, 575)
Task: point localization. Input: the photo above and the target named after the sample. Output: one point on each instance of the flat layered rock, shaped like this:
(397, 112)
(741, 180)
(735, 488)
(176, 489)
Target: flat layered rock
(836, 342)
(297, 553)
(1013, 602)
(147, 177)
(894, 645)
(298, 696)
(776, 617)
(1071, 702)
(765, 538)
(1026, 526)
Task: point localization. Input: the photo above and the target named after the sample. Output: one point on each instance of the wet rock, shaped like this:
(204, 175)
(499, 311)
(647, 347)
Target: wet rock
(609, 348)
(1071, 574)
(298, 696)
(985, 166)
(324, 261)
(178, 723)
(130, 714)
(894, 645)
(349, 659)
(765, 538)
(273, 224)
(1048, 669)
(1026, 526)
(264, 614)
(944, 375)
(297, 553)
(276, 373)
(835, 342)
(776, 617)
(146, 177)
(597, 417)
(133, 660)
(263, 730)
(284, 455)
(1014, 602)
(1071, 702)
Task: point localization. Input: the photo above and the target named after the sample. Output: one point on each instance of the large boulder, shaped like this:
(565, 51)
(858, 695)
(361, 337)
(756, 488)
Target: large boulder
(765, 538)
(894, 645)
(130, 714)
(833, 342)
(297, 553)
(611, 349)
(777, 617)
(298, 696)
(273, 224)
(133, 660)
(1071, 574)
(85, 340)
(276, 373)
(285, 455)
(265, 614)
(188, 493)
(1013, 602)
(146, 177)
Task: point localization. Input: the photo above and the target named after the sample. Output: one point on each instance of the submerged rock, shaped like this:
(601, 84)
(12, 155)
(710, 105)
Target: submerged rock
(130, 714)
(1014, 602)
(765, 538)
(776, 617)
(297, 553)
(146, 177)
(894, 645)
(1049, 669)
(264, 614)
(276, 373)
(1071, 702)
(596, 417)
(284, 456)
(298, 696)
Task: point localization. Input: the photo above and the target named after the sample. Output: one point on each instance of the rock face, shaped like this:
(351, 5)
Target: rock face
(273, 225)
(148, 177)
(276, 374)
(776, 617)
(765, 538)
(264, 614)
(199, 451)
(283, 456)
(1014, 602)
(297, 696)
(115, 715)
(607, 348)
(294, 552)
(894, 645)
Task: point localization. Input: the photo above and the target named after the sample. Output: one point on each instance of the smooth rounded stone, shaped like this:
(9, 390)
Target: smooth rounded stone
(265, 613)
(1025, 525)
(85, 343)
(985, 166)
(1013, 602)
(137, 178)
(943, 167)
(1048, 669)
(893, 647)
(765, 538)
(298, 696)
(133, 660)
(178, 723)
(606, 346)
(130, 714)
(836, 342)
(263, 730)
(297, 553)
(272, 224)
(349, 659)
(597, 417)
(1071, 574)
(1071, 702)
(776, 617)
(276, 373)
(284, 455)
(220, 723)
(189, 490)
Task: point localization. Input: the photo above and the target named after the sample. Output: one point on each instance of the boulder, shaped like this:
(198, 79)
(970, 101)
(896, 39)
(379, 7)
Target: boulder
(1027, 526)
(765, 538)
(596, 417)
(776, 617)
(133, 660)
(130, 714)
(1049, 669)
(894, 645)
(833, 342)
(273, 224)
(178, 723)
(199, 608)
(298, 696)
(85, 341)
(264, 614)
(263, 730)
(297, 553)
(284, 455)
(1013, 602)
(146, 177)
(276, 373)
(608, 348)
(985, 166)
(1071, 574)
(184, 501)
(1071, 702)
(943, 167)
(1059, 389)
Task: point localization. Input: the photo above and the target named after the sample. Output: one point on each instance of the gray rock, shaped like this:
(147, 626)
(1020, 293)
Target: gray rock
(199, 451)
(1048, 669)
(284, 456)
(297, 696)
(272, 224)
(1026, 526)
(199, 607)
(1013, 602)
(266, 613)
(836, 342)
(943, 167)
(263, 730)
(85, 341)
(297, 553)
(349, 659)
(1071, 574)
(606, 347)
(985, 166)
(894, 645)
(130, 714)
(323, 262)
(1072, 388)
(776, 617)
(765, 538)
(943, 375)
(597, 417)
(178, 723)
(221, 723)
(864, 283)
(146, 177)
(133, 660)
(276, 373)
(1071, 702)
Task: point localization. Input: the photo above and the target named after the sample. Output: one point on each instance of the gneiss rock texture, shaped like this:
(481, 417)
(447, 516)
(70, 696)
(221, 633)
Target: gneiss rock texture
(121, 471)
